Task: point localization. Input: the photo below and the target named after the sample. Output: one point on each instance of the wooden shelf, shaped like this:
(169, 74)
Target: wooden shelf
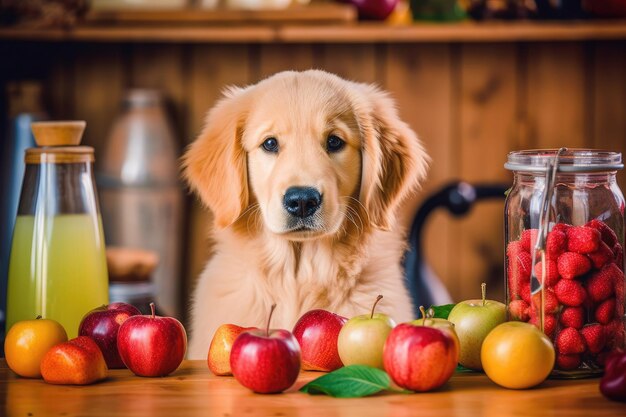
(467, 32)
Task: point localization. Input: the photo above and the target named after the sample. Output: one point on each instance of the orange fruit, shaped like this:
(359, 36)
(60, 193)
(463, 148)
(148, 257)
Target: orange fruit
(517, 355)
(27, 342)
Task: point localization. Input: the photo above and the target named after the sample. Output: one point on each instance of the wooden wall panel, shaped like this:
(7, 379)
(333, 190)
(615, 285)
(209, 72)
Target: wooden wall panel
(163, 67)
(99, 78)
(212, 67)
(275, 58)
(354, 62)
(487, 132)
(609, 100)
(59, 84)
(419, 77)
(557, 95)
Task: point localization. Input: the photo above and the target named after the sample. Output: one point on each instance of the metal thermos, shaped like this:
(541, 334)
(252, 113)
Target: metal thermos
(140, 193)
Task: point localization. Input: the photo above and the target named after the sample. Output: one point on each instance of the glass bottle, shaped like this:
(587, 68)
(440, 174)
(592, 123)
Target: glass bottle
(564, 220)
(57, 267)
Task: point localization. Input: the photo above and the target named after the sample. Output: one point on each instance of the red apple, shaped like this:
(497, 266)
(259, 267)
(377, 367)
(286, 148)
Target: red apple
(152, 345)
(102, 324)
(317, 332)
(420, 357)
(266, 361)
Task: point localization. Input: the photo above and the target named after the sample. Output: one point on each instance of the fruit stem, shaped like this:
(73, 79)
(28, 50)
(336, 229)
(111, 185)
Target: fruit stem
(152, 309)
(483, 290)
(38, 317)
(380, 297)
(423, 311)
(267, 328)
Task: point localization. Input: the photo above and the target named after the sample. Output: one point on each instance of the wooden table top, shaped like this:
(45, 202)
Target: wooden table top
(192, 390)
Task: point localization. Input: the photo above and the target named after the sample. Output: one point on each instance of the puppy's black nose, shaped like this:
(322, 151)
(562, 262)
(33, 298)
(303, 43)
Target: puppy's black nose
(302, 201)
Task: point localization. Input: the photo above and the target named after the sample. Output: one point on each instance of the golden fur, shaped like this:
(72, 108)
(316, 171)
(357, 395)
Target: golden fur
(354, 251)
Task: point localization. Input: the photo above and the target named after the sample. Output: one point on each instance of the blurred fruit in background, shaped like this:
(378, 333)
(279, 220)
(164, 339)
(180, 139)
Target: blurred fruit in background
(437, 10)
(373, 9)
(499, 9)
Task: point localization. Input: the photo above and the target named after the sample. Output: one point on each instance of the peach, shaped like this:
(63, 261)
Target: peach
(78, 361)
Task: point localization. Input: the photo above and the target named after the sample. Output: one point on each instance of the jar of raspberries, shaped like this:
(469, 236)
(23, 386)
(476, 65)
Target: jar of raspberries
(564, 232)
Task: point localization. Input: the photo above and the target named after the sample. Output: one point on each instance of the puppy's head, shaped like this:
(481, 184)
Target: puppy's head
(310, 151)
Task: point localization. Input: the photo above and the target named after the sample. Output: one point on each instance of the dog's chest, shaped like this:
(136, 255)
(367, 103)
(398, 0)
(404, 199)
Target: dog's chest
(310, 276)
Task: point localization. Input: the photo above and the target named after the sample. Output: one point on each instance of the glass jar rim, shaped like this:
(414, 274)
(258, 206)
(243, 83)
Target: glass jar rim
(572, 160)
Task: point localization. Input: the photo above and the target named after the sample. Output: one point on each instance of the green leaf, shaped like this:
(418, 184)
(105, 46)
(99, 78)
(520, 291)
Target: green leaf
(461, 368)
(350, 382)
(440, 312)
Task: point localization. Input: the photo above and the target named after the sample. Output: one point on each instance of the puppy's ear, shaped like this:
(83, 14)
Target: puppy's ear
(394, 160)
(215, 164)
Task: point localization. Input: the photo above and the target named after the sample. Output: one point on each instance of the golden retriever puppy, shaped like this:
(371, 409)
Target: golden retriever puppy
(303, 173)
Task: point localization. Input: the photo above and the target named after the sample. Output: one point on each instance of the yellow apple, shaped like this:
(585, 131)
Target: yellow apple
(218, 358)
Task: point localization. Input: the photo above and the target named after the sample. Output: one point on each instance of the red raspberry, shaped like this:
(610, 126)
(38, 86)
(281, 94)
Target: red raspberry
(549, 322)
(528, 239)
(573, 317)
(601, 285)
(594, 336)
(618, 253)
(570, 292)
(569, 341)
(572, 265)
(608, 235)
(605, 311)
(561, 227)
(518, 310)
(550, 303)
(556, 243)
(600, 257)
(568, 362)
(552, 272)
(583, 239)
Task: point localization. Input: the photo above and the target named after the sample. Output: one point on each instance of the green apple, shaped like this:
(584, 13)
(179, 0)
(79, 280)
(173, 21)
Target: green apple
(441, 324)
(473, 320)
(362, 338)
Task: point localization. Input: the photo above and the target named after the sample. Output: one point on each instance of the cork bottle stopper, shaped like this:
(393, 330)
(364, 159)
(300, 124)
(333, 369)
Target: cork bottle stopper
(62, 133)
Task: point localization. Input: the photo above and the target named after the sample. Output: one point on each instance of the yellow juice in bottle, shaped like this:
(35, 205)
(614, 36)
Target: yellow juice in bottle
(57, 269)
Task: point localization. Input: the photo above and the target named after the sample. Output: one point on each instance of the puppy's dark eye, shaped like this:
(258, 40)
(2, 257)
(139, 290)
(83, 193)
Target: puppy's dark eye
(334, 143)
(270, 145)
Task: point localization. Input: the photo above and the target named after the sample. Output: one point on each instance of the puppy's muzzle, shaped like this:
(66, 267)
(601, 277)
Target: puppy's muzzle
(302, 202)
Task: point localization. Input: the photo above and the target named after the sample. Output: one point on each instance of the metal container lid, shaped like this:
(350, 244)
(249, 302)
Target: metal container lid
(572, 160)
(58, 143)
(142, 97)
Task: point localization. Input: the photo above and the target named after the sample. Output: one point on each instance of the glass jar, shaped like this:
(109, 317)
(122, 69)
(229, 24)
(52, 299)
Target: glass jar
(57, 267)
(564, 220)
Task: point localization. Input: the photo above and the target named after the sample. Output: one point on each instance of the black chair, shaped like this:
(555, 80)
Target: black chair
(458, 198)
